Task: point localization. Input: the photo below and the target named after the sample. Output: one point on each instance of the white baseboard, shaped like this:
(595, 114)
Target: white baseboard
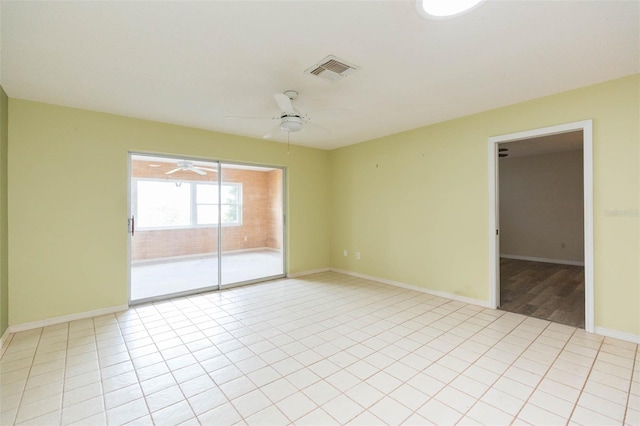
(8, 334)
(543, 259)
(309, 272)
(483, 303)
(197, 256)
(66, 318)
(616, 334)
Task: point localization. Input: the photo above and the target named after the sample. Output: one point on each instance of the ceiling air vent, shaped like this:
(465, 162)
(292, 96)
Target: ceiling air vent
(332, 68)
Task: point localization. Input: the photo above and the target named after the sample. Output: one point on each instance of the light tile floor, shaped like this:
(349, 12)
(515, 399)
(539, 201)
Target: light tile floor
(174, 276)
(324, 349)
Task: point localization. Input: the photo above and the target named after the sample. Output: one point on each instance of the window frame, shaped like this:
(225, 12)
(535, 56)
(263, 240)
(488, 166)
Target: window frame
(193, 203)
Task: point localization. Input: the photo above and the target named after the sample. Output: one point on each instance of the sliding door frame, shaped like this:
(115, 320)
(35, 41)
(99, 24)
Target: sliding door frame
(283, 170)
(219, 286)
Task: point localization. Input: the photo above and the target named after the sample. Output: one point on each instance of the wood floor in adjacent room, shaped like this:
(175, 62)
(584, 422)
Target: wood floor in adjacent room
(543, 290)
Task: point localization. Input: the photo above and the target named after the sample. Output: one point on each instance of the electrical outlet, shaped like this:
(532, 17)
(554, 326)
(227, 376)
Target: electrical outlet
(345, 253)
(358, 255)
(245, 238)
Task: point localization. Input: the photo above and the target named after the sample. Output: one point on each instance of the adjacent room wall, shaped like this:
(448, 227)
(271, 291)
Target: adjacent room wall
(415, 204)
(542, 206)
(68, 202)
(4, 230)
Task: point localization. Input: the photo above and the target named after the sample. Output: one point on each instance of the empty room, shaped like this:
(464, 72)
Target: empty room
(320, 212)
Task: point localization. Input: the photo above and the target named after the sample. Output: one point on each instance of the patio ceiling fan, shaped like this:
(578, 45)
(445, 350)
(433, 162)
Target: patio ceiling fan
(190, 167)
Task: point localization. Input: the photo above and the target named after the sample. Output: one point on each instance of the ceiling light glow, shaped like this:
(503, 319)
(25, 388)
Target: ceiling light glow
(445, 8)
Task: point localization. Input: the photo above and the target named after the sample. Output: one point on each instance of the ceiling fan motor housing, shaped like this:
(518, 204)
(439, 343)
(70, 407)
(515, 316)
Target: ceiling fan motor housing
(290, 123)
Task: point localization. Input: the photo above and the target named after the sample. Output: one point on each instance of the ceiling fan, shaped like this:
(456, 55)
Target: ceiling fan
(190, 167)
(290, 119)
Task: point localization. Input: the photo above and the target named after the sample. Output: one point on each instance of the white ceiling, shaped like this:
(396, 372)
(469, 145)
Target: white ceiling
(193, 63)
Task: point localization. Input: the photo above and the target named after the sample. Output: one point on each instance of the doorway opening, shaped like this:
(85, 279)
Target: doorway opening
(541, 223)
(200, 225)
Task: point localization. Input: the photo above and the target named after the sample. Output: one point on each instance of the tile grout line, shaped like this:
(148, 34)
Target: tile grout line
(254, 354)
(311, 348)
(197, 360)
(549, 323)
(464, 305)
(445, 301)
(288, 357)
(64, 379)
(190, 353)
(102, 392)
(511, 365)
(64, 372)
(515, 417)
(244, 310)
(545, 375)
(459, 374)
(15, 420)
(443, 317)
(586, 379)
(633, 367)
(135, 370)
(356, 343)
(406, 382)
(442, 333)
(5, 344)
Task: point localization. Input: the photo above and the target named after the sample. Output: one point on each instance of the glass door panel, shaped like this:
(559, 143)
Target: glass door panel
(251, 212)
(174, 243)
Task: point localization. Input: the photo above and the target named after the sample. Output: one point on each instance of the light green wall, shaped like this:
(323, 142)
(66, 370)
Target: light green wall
(415, 204)
(4, 230)
(68, 202)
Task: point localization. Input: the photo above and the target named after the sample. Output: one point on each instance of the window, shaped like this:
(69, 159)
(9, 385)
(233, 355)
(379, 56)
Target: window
(175, 204)
(162, 204)
(206, 204)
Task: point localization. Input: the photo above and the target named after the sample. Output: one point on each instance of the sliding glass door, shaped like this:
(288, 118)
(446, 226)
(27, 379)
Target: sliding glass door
(196, 225)
(252, 223)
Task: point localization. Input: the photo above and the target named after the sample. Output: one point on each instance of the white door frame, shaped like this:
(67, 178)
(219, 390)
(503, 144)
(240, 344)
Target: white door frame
(494, 238)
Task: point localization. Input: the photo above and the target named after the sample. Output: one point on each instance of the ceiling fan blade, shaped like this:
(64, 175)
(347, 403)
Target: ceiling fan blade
(205, 168)
(273, 132)
(198, 171)
(284, 103)
(173, 171)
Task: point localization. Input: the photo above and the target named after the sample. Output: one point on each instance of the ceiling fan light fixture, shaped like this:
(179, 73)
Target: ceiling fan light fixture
(291, 124)
(436, 9)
